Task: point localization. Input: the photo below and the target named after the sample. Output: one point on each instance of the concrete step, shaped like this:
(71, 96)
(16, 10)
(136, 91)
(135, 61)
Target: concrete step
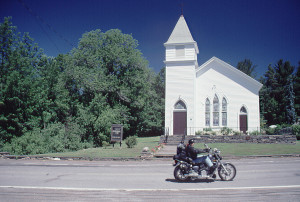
(171, 140)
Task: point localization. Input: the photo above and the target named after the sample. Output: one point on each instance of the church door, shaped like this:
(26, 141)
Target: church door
(179, 118)
(179, 125)
(243, 120)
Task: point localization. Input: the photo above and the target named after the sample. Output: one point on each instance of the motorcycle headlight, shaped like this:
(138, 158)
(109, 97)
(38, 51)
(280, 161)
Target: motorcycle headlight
(217, 151)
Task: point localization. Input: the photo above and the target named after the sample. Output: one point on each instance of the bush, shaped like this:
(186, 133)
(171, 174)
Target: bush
(226, 131)
(296, 131)
(237, 132)
(256, 132)
(54, 138)
(30, 143)
(207, 129)
(131, 141)
(199, 132)
(105, 144)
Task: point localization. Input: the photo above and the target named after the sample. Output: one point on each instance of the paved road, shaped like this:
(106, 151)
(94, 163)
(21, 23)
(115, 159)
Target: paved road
(261, 179)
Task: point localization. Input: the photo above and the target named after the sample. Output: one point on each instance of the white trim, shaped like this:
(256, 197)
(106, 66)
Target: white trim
(257, 84)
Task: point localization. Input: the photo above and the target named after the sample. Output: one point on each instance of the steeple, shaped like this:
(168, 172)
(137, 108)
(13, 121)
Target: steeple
(181, 35)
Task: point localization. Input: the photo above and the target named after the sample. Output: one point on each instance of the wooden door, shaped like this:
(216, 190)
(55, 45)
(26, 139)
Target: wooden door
(179, 123)
(243, 123)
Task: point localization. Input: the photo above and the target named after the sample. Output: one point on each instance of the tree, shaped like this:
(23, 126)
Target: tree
(114, 85)
(297, 91)
(277, 93)
(70, 102)
(290, 97)
(247, 67)
(19, 62)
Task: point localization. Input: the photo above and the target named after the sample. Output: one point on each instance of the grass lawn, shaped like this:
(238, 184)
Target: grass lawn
(111, 151)
(235, 149)
(243, 149)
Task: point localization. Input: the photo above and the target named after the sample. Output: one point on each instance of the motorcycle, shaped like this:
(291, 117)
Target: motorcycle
(186, 170)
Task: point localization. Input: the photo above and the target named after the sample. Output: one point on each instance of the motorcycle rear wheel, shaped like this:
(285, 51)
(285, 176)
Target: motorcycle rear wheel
(230, 174)
(179, 175)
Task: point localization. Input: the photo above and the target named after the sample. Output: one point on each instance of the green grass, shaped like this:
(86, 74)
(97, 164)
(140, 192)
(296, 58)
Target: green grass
(243, 149)
(111, 151)
(234, 149)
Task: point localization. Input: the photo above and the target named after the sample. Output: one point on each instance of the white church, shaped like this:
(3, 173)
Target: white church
(211, 96)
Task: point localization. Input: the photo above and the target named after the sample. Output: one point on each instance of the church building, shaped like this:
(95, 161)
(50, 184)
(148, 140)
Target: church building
(207, 97)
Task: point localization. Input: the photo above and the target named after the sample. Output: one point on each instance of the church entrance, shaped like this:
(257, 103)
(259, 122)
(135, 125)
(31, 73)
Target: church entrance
(179, 118)
(243, 120)
(179, 125)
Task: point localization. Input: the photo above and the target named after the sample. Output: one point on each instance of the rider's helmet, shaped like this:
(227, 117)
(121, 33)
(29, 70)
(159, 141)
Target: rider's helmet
(191, 141)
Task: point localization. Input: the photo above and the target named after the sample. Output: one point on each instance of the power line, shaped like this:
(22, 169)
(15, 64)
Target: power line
(40, 19)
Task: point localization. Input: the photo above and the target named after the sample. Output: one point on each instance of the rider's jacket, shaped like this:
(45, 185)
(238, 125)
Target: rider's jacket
(192, 152)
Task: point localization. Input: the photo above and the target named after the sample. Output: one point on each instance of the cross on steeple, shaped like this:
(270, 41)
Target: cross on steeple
(181, 7)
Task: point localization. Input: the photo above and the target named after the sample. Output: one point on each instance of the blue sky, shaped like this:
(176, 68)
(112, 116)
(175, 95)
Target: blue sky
(263, 31)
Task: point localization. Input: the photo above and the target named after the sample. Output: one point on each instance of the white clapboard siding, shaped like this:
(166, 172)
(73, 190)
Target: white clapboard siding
(191, 84)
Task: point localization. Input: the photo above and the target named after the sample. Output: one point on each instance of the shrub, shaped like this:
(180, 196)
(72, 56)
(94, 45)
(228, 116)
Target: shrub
(199, 132)
(131, 141)
(255, 132)
(237, 133)
(226, 131)
(105, 144)
(207, 129)
(296, 131)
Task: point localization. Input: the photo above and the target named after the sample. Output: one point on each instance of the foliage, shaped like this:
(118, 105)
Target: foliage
(199, 132)
(131, 141)
(247, 67)
(276, 103)
(297, 90)
(226, 131)
(290, 97)
(70, 102)
(296, 131)
(207, 129)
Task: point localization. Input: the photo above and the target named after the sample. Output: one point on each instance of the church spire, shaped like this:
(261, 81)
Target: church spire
(181, 34)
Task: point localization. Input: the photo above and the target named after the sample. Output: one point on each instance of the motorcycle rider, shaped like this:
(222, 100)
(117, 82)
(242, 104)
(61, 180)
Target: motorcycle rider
(192, 153)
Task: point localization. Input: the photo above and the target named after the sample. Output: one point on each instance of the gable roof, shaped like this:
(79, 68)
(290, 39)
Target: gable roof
(181, 34)
(231, 72)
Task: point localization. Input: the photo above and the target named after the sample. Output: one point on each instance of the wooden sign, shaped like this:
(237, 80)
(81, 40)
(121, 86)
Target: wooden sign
(116, 133)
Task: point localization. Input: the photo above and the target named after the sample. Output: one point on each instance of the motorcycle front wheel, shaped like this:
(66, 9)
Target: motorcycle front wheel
(227, 172)
(179, 175)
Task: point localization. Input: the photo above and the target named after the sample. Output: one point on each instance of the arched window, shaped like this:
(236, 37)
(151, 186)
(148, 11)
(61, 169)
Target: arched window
(216, 109)
(224, 112)
(180, 105)
(207, 112)
(243, 110)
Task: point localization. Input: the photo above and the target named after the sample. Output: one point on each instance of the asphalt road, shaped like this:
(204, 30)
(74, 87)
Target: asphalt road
(260, 179)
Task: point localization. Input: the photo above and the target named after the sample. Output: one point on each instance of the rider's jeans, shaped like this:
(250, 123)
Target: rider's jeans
(204, 159)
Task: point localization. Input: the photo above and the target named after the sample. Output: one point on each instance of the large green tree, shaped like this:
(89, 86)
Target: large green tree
(20, 59)
(276, 96)
(247, 67)
(71, 101)
(114, 85)
(297, 91)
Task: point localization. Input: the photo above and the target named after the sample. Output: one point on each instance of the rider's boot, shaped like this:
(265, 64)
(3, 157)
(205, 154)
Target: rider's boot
(212, 170)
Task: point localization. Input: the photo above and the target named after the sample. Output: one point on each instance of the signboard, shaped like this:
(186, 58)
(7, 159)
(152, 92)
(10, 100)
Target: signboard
(116, 133)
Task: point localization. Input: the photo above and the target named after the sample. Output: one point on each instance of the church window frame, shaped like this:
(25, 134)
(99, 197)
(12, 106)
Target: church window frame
(216, 111)
(224, 111)
(180, 105)
(207, 112)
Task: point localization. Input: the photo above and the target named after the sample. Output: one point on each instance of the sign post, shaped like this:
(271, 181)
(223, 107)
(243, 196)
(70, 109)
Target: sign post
(116, 134)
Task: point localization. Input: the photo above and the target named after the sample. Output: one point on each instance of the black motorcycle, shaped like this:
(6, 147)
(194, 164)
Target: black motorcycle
(186, 170)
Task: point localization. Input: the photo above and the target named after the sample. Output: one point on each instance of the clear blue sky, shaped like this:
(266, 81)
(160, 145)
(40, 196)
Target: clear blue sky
(263, 31)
